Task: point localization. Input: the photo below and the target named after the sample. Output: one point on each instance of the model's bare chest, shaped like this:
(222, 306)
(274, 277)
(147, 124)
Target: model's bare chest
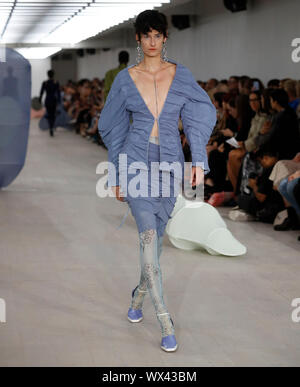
(153, 89)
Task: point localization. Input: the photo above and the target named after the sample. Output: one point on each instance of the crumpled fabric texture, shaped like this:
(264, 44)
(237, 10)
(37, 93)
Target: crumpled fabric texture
(152, 212)
(125, 122)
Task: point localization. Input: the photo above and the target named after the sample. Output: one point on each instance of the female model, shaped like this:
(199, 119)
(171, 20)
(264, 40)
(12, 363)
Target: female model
(140, 121)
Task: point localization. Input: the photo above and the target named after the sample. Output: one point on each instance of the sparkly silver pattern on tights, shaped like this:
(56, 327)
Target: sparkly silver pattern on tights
(151, 279)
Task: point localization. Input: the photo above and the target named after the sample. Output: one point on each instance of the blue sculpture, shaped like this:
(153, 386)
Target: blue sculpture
(15, 104)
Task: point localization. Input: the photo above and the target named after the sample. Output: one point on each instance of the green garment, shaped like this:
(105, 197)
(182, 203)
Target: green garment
(109, 78)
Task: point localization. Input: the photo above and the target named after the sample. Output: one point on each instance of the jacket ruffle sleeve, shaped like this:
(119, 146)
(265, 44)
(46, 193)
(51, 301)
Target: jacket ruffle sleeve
(198, 115)
(113, 126)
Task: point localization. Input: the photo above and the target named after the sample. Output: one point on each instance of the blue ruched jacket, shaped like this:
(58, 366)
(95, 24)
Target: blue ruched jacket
(125, 121)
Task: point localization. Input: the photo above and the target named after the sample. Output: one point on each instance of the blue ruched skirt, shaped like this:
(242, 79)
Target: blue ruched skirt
(153, 211)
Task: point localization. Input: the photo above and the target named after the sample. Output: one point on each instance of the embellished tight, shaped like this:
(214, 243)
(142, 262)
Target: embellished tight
(151, 279)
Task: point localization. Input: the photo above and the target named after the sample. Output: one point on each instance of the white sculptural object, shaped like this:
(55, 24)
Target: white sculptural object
(196, 224)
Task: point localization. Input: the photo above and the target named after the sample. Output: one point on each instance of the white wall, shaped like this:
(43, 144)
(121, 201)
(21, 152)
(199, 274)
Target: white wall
(39, 68)
(256, 42)
(96, 65)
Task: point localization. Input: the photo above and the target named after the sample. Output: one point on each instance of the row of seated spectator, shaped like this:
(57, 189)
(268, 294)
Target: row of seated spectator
(254, 150)
(83, 101)
(257, 133)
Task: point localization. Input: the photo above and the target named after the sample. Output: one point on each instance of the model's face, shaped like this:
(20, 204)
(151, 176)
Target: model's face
(152, 42)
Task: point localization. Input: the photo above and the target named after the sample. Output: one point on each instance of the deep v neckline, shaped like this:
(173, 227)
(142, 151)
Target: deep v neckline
(141, 97)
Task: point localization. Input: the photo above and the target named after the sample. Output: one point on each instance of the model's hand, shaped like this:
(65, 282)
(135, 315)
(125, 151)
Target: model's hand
(118, 193)
(197, 176)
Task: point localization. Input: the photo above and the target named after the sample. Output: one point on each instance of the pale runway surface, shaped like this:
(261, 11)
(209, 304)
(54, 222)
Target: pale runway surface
(66, 275)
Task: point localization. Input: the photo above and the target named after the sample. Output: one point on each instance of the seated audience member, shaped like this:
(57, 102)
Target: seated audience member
(210, 87)
(92, 131)
(244, 117)
(240, 115)
(202, 84)
(263, 202)
(236, 156)
(283, 169)
(273, 84)
(222, 86)
(221, 115)
(245, 85)
(280, 176)
(297, 196)
(250, 164)
(286, 188)
(233, 85)
(218, 153)
(283, 136)
(290, 86)
(282, 81)
(298, 96)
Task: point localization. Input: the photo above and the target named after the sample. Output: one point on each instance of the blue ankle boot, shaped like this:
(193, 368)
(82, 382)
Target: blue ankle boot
(135, 315)
(169, 343)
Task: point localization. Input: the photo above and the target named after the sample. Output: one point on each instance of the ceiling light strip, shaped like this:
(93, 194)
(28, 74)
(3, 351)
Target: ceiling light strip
(7, 21)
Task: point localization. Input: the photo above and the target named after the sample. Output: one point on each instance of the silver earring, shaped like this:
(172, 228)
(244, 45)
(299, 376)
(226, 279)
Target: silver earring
(139, 53)
(164, 52)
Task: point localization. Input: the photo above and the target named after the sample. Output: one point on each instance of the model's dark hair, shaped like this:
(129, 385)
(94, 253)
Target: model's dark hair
(50, 74)
(123, 57)
(151, 20)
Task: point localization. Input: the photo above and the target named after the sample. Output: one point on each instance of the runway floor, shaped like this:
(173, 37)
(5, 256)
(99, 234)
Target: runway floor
(66, 275)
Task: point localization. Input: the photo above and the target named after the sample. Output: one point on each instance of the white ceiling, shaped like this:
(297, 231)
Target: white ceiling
(58, 22)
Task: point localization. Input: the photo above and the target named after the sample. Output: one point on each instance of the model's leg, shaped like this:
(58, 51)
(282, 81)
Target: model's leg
(51, 108)
(141, 290)
(152, 273)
